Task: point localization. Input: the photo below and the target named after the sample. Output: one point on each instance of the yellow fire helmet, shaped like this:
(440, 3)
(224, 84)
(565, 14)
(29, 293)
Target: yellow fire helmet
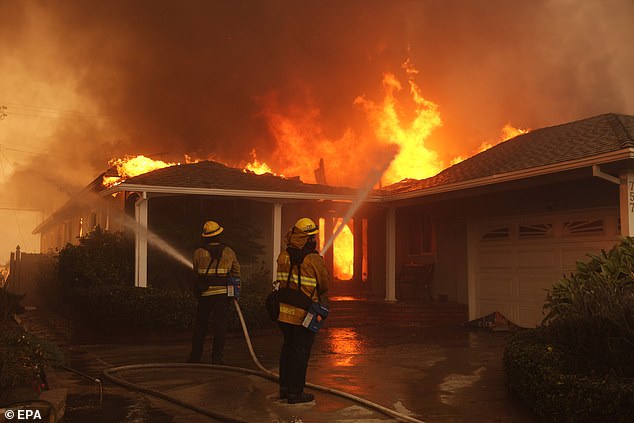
(307, 226)
(211, 228)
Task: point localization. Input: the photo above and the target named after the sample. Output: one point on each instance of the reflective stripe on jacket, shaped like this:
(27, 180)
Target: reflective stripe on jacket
(228, 266)
(313, 273)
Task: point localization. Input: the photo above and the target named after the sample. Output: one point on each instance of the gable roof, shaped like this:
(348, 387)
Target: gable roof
(602, 138)
(213, 178)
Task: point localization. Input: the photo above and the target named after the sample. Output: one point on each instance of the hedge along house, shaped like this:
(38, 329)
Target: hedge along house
(492, 232)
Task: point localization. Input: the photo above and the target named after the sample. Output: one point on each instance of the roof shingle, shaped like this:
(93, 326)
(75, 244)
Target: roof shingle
(541, 147)
(214, 175)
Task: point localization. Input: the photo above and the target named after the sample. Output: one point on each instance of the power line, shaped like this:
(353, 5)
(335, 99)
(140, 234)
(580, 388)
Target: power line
(28, 110)
(19, 209)
(36, 153)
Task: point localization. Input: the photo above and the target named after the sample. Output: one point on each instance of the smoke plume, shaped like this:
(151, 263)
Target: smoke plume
(198, 78)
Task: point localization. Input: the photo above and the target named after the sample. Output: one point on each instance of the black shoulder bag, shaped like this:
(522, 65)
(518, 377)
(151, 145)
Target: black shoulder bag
(272, 304)
(288, 295)
(296, 297)
(204, 281)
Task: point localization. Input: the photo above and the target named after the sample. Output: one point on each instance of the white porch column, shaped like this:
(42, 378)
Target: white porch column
(390, 259)
(626, 202)
(140, 251)
(277, 236)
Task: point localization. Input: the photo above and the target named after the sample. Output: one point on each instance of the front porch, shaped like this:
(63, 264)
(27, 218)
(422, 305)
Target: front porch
(352, 305)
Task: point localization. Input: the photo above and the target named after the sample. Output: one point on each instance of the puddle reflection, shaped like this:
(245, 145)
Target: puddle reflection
(346, 345)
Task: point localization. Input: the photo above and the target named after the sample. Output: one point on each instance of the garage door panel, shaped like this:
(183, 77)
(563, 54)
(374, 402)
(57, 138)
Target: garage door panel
(495, 285)
(570, 255)
(537, 259)
(512, 275)
(490, 259)
(535, 289)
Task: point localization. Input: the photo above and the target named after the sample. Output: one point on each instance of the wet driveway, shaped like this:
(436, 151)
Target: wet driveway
(433, 375)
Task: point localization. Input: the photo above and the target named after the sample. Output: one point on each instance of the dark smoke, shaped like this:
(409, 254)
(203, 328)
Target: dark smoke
(177, 78)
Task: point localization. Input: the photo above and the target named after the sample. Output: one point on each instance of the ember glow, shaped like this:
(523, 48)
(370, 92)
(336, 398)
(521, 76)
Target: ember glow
(129, 167)
(257, 167)
(343, 251)
(508, 132)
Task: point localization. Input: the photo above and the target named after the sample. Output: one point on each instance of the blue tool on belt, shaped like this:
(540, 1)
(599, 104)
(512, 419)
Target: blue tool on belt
(311, 322)
(233, 286)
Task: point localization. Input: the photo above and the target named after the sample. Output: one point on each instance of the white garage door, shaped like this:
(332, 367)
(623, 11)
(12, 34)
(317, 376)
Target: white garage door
(516, 260)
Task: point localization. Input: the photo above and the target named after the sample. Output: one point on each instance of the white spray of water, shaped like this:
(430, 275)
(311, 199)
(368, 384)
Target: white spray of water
(372, 179)
(155, 240)
(94, 201)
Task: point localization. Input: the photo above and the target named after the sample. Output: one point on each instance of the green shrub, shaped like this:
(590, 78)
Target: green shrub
(95, 279)
(577, 366)
(591, 312)
(9, 305)
(123, 310)
(535, 374)
(101, 258)
(23, 359)
(120, 310)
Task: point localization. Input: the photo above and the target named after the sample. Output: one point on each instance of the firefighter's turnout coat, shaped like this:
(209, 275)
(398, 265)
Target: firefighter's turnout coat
(227, 266)
(313, 275)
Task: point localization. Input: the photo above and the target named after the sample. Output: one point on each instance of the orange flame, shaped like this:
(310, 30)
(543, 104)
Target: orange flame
(414, 159)
(302, 142)
(257, 167)
(508, 132)
(128, 167)
(343, 251)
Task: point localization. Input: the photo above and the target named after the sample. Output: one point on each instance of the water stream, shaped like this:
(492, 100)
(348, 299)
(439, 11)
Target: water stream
(371, 180)
(156, 240)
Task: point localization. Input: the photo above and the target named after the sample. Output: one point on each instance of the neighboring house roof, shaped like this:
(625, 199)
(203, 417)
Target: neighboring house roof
(601, 139)
(213, 178)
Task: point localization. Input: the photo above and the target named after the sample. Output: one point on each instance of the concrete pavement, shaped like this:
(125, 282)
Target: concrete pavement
(434, 375)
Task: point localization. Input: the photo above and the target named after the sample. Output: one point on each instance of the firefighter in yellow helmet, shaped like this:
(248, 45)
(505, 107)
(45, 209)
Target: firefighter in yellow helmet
(301, 269)
(213, 264)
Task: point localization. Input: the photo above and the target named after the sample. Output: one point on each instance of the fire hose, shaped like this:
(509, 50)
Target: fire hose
(263, 372)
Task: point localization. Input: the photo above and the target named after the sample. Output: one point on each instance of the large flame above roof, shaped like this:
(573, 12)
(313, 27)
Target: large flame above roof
(302, 143)
(301, 140)
(130, 166)
(414, 159)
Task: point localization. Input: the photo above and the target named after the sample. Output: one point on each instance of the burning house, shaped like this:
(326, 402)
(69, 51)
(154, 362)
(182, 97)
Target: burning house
(492, 232)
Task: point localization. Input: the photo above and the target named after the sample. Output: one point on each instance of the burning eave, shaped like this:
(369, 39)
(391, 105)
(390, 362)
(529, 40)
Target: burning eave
(427, 188)
(212, 178)
(280, 195)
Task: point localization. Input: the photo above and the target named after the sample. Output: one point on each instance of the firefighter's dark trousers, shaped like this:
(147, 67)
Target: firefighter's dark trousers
(296, 347)
(218, 306)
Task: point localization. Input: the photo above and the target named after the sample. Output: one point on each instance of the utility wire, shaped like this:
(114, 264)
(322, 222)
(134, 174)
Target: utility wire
(19, 209)
(36, 153)
(44, 111)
